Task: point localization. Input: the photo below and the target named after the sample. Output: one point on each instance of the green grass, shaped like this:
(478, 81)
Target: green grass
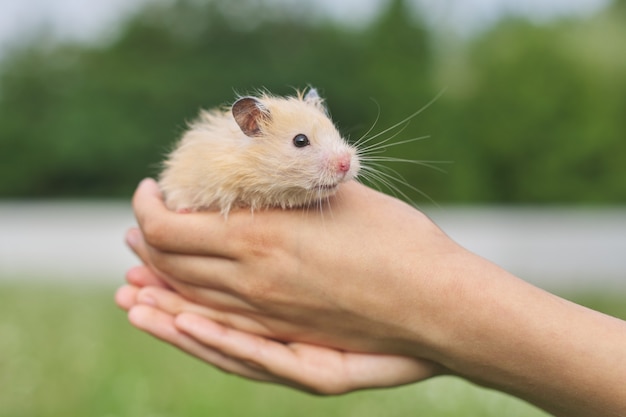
(70, 352)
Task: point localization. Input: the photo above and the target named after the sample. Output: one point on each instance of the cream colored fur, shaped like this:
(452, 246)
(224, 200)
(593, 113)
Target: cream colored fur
(215, 166)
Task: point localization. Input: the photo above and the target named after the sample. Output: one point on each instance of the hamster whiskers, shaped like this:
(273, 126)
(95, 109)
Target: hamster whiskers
(373, 167)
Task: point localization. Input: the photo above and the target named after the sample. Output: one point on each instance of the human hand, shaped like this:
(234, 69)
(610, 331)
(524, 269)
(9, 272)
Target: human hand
(306, 367)
(372, 276)
(308, 276)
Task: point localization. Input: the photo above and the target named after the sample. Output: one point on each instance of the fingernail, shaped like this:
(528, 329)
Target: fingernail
(132, 238)
(148, 184)
(146, 299)
(145, 181)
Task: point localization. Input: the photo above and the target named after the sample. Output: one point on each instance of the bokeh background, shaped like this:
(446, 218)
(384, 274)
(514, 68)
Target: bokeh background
(530, 131)
(534, 110)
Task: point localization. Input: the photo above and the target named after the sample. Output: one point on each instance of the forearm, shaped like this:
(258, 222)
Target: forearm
(511, 336)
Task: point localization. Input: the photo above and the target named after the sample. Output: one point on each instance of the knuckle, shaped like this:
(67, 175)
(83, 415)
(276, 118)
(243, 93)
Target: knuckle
(161, 263)
(255, 237)
(256, 288)
(262, 257)
(251, 241)
(154, 232)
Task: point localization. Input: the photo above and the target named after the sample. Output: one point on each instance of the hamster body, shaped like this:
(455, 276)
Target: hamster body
(262, 152)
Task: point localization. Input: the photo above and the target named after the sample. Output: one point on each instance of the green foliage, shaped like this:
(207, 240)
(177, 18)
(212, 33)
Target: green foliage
(547, 120)
(532, 114)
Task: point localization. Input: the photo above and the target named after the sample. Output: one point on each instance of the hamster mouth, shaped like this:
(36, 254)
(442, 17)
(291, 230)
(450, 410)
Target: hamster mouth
(327, 187)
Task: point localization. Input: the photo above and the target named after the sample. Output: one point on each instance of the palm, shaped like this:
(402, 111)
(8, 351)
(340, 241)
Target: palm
(308, 367)
(303, 366)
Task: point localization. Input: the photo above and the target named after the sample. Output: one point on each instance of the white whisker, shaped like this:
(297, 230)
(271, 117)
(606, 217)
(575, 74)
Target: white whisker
(359, 141)
(374, 168)
(407, 119)
(427, 164)
(377, 179)
(382, 145)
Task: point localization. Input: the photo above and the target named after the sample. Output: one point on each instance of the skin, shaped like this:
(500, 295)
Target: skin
(366, 293)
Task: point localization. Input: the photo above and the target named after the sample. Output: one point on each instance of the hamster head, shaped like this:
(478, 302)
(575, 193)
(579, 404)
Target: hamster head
(296, 154)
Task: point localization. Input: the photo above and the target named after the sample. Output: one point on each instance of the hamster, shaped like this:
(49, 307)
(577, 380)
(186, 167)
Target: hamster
(262, 152)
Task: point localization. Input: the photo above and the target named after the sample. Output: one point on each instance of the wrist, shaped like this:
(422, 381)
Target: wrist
(505, 334)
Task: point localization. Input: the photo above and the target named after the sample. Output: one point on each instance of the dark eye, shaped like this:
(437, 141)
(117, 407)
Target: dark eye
(300, 141)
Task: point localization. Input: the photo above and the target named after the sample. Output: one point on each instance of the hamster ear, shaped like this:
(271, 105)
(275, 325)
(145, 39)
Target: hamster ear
(249, 114)
(313, 97)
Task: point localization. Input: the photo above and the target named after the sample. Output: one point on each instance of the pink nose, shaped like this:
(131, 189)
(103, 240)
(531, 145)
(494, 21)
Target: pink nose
(343, 164)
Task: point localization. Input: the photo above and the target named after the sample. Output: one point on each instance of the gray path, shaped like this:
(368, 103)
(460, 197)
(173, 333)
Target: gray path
(556, 248)
(50, 241)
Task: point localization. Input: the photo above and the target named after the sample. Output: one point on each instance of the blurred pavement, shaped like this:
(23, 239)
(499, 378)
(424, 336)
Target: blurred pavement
(559, 249)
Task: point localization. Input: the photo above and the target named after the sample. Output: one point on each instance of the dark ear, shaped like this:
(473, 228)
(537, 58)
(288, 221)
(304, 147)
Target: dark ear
(249, 113)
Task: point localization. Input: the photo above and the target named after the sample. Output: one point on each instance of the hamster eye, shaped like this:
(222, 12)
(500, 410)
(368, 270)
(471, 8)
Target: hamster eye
(300, 141)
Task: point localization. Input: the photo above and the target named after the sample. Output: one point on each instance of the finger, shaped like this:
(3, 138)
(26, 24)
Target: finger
(173, 303)
(161, 326)
(156, 322)
(143, 276)
(168, 267)
(348, 371)
(135, 241)
(151, 273)
(309, 367)
(366, 370)
(218, 307)
(315, 368)
(253, 352)
(192, 233)
(210, 233)
(235, 343)
(126, 297)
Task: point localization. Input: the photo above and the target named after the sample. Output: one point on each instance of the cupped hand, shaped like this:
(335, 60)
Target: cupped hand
(367, 292)
(310, 368)
(366, 273)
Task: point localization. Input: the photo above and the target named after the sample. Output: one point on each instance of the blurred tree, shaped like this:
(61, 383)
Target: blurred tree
(536, 113)
(546, 119)
(83, 120)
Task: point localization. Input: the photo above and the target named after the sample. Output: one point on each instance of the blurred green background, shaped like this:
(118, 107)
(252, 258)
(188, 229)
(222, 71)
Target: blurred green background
(533, 112)
(64, 351)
